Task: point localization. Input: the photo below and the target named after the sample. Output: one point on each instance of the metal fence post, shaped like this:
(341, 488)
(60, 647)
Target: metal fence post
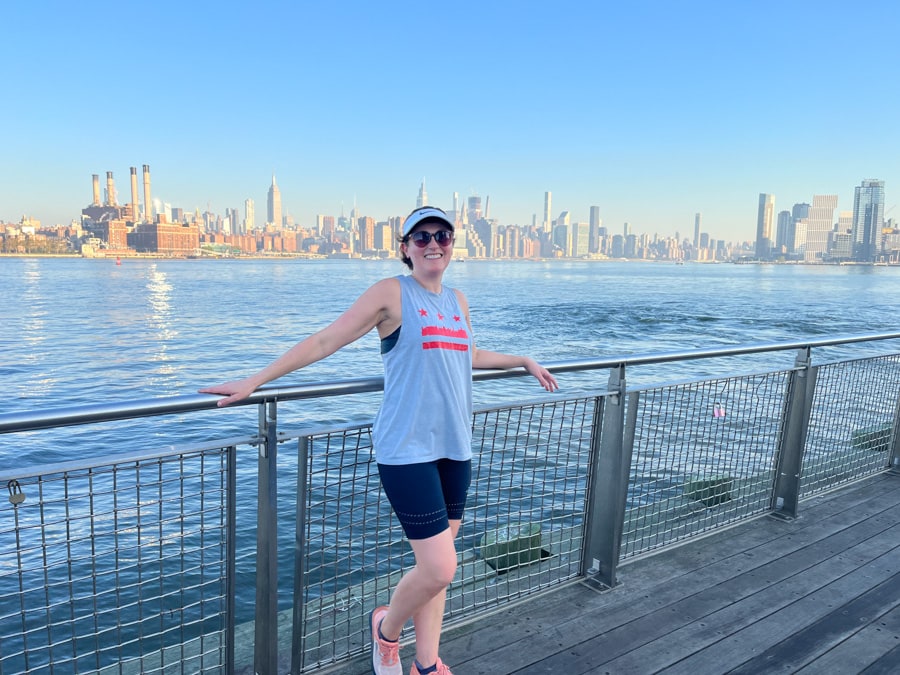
(265, 652)
(894, 459)
(605, 494)
(297, 642)
(230, 557)
(795, 423)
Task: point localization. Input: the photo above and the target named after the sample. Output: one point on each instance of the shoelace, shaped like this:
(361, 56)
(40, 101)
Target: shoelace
(390, 653)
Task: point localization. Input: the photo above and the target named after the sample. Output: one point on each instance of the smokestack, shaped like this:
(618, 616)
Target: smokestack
(110, 189)
(96, 180)
(148, 205)
(134, 194)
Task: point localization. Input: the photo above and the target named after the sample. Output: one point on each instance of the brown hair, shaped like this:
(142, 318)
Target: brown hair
(403, 257)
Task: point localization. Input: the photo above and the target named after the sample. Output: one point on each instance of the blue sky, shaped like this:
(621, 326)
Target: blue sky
(650, 110)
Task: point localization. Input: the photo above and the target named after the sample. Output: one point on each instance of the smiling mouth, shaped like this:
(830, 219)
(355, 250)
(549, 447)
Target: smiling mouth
(434, 256)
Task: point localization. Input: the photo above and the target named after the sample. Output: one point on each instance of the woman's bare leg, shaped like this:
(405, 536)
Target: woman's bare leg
(430, 618)
(422, 592)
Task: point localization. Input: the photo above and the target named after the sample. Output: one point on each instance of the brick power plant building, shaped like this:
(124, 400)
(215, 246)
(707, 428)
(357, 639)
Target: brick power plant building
(127, 226)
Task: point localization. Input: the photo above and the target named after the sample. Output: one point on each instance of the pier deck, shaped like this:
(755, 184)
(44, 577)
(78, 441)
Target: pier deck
(819, 594)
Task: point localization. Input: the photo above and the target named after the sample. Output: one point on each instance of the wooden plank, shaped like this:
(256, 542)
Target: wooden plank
(863, 649)
(889, 664)
(820, 636)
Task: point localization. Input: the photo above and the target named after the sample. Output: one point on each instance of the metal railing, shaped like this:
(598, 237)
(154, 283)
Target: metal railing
(279, 541)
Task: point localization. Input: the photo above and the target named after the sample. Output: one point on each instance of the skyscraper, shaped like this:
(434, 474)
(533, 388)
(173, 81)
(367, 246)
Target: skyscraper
(547, 224)
(868, 217)
(366, 233)
(474, 210)
(249, 216)
(422, 199)
(325, 226)
(796, 237)
(581, 239)
(820, 223)
(697, 218)
(799, 211)
(841, 246)
(594, 234)
(784, 232)
(231, 224)
(274, 204)
(562, 234)
(765, 219)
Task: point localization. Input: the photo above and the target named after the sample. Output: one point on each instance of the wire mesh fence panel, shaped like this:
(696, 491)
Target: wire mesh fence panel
(851, 423)
(118, 565)
(353, 548)
(704, 456)
(526, 516)
(521, 530)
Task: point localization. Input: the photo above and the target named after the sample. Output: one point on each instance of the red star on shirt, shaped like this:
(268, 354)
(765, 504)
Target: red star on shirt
(455, 318)
(440, 317)
(422, 312)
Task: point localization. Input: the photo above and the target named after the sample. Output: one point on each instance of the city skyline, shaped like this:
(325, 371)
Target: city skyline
(810, 233)
(694, 108)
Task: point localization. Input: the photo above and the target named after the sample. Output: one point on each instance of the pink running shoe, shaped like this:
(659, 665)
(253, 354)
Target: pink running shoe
(385, 654)
(442, 669)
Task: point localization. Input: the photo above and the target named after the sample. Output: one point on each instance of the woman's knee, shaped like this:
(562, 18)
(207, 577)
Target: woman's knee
(439, 573)
(437, 567)
(436, 559)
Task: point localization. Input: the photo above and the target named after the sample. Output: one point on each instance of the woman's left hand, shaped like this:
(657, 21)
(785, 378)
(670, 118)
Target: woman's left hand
(542, 375)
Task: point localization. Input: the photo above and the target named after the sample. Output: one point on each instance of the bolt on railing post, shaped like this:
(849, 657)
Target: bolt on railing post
(265, 652)
(795, 423)
(299, 559)
(608, 484)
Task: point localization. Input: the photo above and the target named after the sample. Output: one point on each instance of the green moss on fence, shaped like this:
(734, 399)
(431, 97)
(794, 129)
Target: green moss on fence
(710, 491)
(877, 438)
(509, 547)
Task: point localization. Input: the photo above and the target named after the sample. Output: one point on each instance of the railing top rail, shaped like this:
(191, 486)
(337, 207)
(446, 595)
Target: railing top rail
(85, 465)
(105, 412)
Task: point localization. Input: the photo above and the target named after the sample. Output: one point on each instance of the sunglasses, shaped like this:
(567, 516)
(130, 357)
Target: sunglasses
(422, 238)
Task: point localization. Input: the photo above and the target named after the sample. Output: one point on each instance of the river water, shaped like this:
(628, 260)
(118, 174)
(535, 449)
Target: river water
(77, 332)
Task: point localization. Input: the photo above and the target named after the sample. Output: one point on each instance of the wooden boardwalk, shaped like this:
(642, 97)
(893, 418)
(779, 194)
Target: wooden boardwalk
(816, 595)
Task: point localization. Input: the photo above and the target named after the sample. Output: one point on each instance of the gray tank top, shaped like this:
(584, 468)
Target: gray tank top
(426, 413)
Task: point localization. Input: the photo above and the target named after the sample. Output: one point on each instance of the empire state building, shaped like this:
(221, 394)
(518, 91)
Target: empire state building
(274, 213)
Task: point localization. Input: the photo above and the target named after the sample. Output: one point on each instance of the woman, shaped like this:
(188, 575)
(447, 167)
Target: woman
(422, 434)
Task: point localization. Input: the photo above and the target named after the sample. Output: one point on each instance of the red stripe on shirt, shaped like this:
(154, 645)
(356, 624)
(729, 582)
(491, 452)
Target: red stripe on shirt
(444, 332)
(454, 346)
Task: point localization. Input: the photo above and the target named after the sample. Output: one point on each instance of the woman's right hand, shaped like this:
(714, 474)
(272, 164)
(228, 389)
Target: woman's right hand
(233, 391)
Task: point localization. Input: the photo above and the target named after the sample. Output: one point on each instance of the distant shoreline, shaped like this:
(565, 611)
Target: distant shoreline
(154, 256)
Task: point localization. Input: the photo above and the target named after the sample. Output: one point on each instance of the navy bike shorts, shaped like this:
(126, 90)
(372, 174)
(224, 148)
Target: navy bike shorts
(425, 496)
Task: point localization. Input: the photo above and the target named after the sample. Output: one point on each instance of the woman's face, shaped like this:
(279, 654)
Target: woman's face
(433, 256)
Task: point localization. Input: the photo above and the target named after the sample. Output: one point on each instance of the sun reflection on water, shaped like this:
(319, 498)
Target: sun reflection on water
(159, 300)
